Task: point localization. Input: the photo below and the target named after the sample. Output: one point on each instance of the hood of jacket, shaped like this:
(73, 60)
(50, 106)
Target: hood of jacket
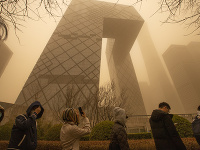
(34, 104)
(158, 115)
(119, 115)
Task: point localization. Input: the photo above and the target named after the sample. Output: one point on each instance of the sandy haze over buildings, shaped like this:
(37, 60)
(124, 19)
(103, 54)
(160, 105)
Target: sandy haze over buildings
(36, 34)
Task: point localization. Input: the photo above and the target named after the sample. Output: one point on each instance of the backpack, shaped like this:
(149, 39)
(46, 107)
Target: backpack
(196, 126)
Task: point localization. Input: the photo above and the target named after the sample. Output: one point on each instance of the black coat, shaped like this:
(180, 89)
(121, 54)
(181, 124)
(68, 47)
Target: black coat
(2, 113)
(119, 136)
(24, 131)
(164, 132)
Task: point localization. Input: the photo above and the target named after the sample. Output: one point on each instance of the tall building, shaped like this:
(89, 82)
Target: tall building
(71, 58)
(159, 83)
(183, 63)
(5, 55)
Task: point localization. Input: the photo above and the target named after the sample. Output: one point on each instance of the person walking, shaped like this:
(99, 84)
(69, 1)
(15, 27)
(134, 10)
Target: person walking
(1, 113)
(70, 133)
(24, 131)
(119, 140)
(196, 126)
(164, 131)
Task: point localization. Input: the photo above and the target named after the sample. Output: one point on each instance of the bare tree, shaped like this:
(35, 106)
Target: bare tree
(179, 11)
(68, 99)
(17, 11)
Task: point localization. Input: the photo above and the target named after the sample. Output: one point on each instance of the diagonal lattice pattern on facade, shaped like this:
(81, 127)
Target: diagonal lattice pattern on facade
(72, 55)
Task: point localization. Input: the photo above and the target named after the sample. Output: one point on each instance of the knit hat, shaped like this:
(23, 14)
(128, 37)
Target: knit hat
(70, 115)
(119, 115)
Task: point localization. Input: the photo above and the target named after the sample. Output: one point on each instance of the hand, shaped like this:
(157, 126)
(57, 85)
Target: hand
(83, 115)
(37, 110)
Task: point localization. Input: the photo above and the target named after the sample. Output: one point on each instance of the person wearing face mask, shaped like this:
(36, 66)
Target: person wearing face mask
(119, 140)
(1, 113)
(70, 133)
(164, 131)
(24, 131)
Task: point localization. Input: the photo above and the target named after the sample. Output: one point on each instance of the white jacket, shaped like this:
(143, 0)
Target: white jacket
(70, 134)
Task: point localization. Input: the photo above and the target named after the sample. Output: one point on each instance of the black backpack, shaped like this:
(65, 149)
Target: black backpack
(196, 126)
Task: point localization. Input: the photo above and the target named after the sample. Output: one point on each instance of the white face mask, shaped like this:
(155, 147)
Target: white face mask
(198, 113)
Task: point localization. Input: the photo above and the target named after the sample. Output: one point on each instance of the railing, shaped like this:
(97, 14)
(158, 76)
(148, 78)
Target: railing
(140, 123)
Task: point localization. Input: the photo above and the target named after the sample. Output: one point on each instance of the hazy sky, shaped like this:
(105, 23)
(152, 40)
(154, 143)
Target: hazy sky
(37, 33)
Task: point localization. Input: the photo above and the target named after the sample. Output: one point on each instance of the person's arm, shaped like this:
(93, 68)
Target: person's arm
(24, 123)
(171, 129)
(122, 139)
(79, 132)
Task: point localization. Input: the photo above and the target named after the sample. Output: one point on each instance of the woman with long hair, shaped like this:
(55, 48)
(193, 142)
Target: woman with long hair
(70, 133)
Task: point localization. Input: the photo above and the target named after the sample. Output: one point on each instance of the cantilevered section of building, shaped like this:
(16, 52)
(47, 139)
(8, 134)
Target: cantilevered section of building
(71, 58)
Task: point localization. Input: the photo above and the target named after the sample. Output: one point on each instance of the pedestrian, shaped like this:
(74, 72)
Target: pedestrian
(24, 131)
(196, 126)
(1, 113)
(164, 131)
(119, 140)
(70, 133)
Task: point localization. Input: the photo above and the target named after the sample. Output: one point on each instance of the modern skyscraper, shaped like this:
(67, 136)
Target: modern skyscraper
(71, 58)
(5, 55)
(160, 85)
(183, 63)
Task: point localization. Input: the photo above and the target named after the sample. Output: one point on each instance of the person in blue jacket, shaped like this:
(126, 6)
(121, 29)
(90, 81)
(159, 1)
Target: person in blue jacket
(24, 131)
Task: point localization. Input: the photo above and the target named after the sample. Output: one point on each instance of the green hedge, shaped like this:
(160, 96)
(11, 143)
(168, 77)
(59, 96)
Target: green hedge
(5, 131)
(53, 134)
(147, 144)
(137, 136)
(184, 127)
(101, 131)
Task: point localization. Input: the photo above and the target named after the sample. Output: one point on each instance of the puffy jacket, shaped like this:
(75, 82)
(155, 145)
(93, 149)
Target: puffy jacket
(70, 134)
(24, 131)
(164, 132)
(118, 134)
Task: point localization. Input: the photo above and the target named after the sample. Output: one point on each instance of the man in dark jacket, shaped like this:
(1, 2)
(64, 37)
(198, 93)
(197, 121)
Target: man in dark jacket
(24, 131)
(1, 113)
(164, 132)
(119, 136)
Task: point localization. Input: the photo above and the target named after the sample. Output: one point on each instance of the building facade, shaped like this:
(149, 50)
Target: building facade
(67, 72)
(183, 63)
(5, 55)
(160, 87)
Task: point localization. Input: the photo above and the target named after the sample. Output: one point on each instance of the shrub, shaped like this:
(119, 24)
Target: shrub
(5, 131)
(85, 138)
(53, 134)
(183, 126)
(102, 131)
(137, 136)
(42, 129)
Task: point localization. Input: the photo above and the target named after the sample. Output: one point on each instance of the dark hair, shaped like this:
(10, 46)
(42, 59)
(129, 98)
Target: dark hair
(163, 104)
(198, 108)
(34, 107)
